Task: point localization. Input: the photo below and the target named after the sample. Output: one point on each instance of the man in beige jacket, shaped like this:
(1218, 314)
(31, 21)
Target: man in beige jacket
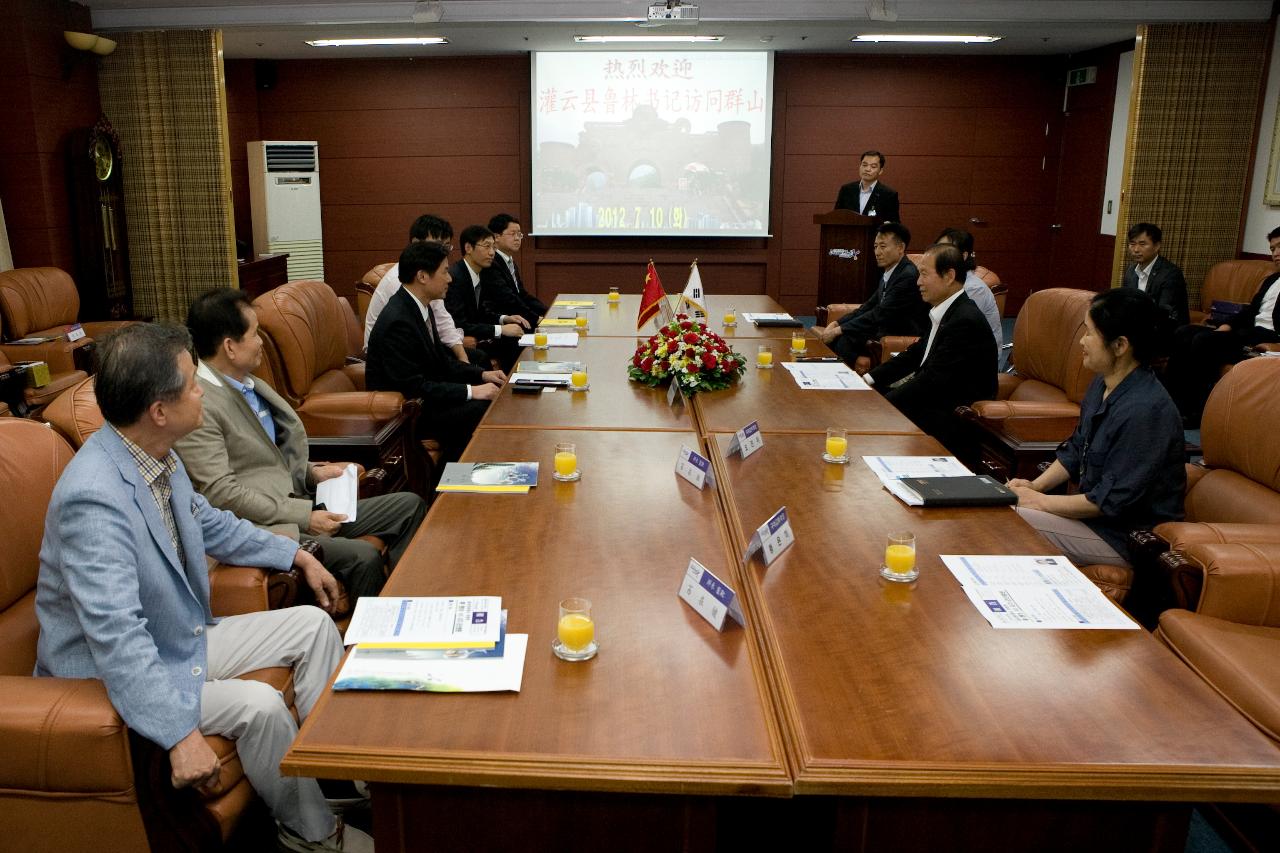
(250, 454)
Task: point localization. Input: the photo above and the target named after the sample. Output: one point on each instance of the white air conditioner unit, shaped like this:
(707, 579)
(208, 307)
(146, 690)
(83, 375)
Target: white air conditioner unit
(284, 198)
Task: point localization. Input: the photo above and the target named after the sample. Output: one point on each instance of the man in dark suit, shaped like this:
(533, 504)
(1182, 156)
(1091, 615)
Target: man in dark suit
(406, 355)
(507, 237)
(1200, 352)
(1156, 275)
(894, 309)
(868, 196)
(953, 365)
(474, 302)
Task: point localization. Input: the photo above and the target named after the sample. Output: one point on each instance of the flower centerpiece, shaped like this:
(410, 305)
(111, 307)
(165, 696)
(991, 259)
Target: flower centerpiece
(687, 352)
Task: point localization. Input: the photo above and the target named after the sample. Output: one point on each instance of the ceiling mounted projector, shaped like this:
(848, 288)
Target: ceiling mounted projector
(672, 12)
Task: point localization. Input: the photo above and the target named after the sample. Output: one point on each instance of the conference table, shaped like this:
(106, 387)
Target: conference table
(850, 712)
(618, 319)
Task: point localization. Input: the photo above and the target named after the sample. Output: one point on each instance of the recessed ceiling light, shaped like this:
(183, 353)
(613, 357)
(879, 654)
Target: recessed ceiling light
(362, 42)
(906, 37)
(650, 39)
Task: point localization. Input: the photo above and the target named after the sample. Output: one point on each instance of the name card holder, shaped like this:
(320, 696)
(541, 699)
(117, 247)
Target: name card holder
(675, 394)
(75, 332)
(747, 440)
(771, 538)
(711, 597)
(694, 467)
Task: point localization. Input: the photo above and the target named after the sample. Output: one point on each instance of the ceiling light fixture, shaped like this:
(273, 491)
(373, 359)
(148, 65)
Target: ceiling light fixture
(391, 42)
(650, 39)
(923, 39)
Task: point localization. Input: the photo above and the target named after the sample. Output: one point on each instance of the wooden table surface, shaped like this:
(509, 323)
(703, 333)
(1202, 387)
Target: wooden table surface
(619, 320)
(773, 398)
(668, 705)
(893, 689)
(613, 401)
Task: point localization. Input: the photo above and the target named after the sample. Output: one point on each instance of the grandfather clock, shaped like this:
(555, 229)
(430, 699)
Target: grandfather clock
(101, 243)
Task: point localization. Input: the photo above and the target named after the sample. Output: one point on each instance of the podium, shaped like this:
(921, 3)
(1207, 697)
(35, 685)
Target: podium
(847, 269)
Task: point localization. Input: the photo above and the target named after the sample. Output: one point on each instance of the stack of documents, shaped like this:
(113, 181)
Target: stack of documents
(764, 319)
(1034, 592)
(509, 478)
(440, 645)
(554, 339)
(913, 479)
(574, 303)
(825, 376)
(543, 378)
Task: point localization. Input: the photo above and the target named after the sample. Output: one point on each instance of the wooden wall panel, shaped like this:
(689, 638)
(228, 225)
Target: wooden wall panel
(964, 136)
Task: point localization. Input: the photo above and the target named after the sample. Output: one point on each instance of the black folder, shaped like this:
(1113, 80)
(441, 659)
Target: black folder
(979, 490)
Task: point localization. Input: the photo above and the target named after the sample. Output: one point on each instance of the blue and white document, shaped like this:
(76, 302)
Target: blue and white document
(1034, 592)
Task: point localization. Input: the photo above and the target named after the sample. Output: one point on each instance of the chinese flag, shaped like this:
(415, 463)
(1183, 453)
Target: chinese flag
(652, 296)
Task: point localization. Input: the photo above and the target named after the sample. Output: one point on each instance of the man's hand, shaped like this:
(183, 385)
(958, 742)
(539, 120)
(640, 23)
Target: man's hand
(461, 353)
(327, 472)
(494, 377)
(1225, 327)
(827, 333)
(484, 392)
(193, 763)
(517, 319)
(513, 330)
(322, 584)
(324, 523)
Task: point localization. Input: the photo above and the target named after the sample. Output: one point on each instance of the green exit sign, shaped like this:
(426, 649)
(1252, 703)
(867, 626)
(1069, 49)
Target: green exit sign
(1082, 76)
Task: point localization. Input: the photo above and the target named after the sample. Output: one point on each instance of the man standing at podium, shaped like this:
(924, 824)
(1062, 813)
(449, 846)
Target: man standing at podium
(868, 196)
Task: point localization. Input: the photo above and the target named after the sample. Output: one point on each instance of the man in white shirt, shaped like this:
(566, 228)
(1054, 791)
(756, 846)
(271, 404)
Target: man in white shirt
(425, 227)
(974, 286)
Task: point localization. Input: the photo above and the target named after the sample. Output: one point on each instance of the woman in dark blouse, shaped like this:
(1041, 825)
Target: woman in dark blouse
(1126, 456)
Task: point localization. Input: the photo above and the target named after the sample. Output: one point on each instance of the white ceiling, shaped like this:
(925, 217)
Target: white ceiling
(277, 29)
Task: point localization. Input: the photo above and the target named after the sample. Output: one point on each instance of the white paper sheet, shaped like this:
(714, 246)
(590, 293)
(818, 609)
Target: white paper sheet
(441, 622)
(339, 494)
(752, 317)
(1034, 591)
(386, 669)
(825, 376)
(554, 339)
(999, 570)
(540, 378)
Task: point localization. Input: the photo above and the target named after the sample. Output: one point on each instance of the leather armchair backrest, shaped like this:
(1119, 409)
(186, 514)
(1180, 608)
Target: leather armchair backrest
(373, 276)
(365, 288)
(308, 335)
(1237, 431)
(1233, 281)
(1046, 340)
(32, 457)
(988, 276)
(75, 414)
(33, 299)
(355, 329)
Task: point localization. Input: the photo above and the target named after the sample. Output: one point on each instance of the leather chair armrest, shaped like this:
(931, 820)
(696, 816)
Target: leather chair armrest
(234, 590)
(355, 372)
(1241, 582)
(61, 735)
(837, 310)
(891, 345)
(1181, 535)
(1026, 420)
(374, 405)
(1005, 384)
(58, 354)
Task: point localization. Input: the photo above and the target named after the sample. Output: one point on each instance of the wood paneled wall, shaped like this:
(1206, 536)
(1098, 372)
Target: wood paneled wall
(41, 102)
(965, 139)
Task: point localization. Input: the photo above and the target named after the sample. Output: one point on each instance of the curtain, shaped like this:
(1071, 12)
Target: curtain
(165, 95)
(1192, 126)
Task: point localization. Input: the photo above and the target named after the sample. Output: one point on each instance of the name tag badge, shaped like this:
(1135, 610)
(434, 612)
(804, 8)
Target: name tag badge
(75, 332)
(695, 468)
(675, 394)
(747, 440)
(771, 538)
(711, 597)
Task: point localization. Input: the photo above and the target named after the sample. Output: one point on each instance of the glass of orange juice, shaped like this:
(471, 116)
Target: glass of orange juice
(615, 296)
(580, 319)
(566, 462)
(837, 449)
(539, 340)
(900, 558)
(764, 357)
(575, 631)
(578, 379)
(731, 318)
(797, 343)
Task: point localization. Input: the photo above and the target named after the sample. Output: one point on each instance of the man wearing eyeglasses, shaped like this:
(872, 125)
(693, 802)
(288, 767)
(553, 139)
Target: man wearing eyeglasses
(505, 275)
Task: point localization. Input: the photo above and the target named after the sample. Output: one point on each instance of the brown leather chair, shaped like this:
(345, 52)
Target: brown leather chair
(1038, 404)
(1234, 495)
(1230, 281)
(37, 398)
(1232, 640)
(71, 776)
(305, 343)
(42, 302)
(365, 288)
(355, 331)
